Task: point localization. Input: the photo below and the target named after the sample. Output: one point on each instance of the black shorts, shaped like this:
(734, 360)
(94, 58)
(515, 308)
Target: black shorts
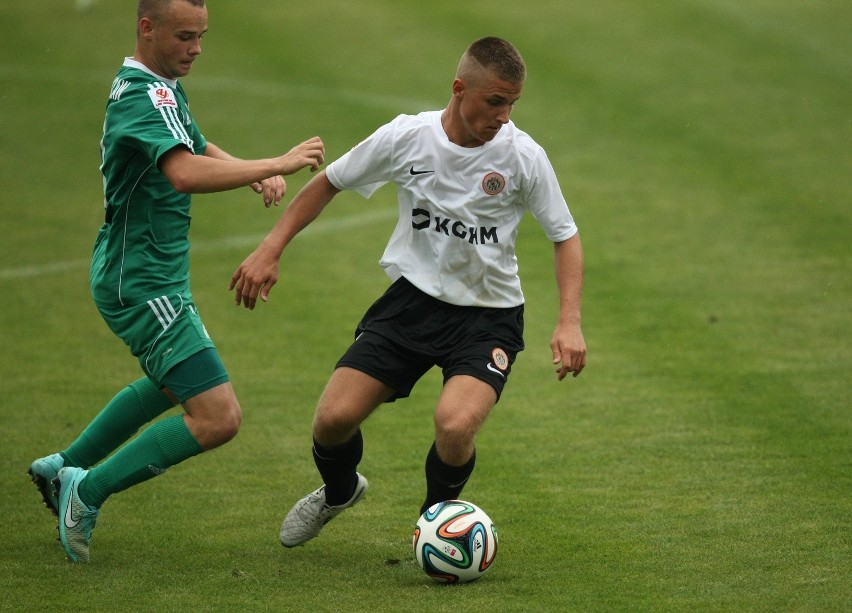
(406, 332)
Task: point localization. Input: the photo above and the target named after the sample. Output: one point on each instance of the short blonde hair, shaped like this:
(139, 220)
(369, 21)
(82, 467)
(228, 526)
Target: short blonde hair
(495, 55)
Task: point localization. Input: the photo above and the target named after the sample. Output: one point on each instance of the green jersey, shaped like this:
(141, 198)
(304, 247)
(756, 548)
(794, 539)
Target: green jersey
(142, 250)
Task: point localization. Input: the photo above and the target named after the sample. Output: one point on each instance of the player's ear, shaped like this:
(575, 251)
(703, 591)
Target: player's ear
(458, 88)
(145, 26)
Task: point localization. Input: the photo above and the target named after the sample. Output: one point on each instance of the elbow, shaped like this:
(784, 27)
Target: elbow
(181, 183)
(179, 175)
(177, 167)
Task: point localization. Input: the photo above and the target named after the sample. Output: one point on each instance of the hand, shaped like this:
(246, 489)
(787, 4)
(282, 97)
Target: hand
(254, 277)
(272, 189)
(569, 350)
(309, 153)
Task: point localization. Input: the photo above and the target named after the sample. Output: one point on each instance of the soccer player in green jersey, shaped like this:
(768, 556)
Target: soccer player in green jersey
(153, 158)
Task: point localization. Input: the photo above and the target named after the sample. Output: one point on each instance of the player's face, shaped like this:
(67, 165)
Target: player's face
(176, 38)
(484, 107)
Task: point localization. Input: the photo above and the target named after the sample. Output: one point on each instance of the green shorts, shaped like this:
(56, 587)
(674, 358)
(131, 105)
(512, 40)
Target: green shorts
(163, 333)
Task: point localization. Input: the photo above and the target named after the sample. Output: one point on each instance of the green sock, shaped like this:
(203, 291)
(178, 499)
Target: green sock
(135, 405)
(161, 445)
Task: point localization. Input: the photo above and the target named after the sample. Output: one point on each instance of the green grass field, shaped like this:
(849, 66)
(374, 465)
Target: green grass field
(701, 462)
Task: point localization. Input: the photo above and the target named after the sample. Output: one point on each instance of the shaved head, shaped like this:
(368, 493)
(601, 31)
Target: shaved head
(155, 9)
(494, 55)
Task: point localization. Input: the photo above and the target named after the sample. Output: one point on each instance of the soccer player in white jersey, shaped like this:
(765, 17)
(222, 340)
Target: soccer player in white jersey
(464, 177)
(153, 157)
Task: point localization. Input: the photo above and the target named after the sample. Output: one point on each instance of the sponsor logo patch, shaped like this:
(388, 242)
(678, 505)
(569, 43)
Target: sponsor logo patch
(493, 183)
(500, 359)
(162, 96)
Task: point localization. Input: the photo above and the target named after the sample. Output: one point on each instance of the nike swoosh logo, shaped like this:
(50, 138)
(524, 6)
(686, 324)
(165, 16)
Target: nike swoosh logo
(413, 172)
(70, 522)
(492, 369)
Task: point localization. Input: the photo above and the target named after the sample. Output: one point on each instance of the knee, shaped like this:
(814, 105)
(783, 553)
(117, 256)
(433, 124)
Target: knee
(454, 425)
(230, 423)
(224, 426)
(333, 427)
(455, 438)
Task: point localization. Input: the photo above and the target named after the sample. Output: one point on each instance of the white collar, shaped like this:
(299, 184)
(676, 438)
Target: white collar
(131, 63)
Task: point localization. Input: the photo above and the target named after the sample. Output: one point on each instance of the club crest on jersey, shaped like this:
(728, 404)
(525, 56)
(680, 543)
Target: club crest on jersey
(493, 183)
(162, 96)
(500, 359)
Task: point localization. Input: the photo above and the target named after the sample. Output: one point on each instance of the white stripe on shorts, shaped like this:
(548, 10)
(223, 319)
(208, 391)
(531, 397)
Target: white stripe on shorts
(163, 310)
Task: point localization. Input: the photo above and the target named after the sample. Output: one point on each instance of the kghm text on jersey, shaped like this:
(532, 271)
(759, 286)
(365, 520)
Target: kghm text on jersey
(422, 219)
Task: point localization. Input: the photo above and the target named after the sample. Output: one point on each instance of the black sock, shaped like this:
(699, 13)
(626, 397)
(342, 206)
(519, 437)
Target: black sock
(337, 467)
(444, 482)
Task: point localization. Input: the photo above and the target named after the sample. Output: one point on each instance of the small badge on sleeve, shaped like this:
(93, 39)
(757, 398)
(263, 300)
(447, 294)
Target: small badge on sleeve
(162, 96)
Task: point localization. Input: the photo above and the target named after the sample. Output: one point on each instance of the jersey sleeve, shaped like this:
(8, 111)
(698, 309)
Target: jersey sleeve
(546, 202)
(150, 119)
(367, 166)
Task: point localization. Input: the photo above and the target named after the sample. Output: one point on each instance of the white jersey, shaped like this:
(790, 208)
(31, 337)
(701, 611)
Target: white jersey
(459, 207)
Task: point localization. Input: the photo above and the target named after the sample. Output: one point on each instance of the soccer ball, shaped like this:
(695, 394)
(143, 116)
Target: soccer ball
(455, 541)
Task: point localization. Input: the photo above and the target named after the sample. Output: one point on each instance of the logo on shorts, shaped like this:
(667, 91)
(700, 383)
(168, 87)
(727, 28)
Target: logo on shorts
(490, 367)
(493, 183)
(500, 359)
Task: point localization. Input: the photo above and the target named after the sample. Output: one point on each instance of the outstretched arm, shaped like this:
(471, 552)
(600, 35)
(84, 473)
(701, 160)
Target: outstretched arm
(218, 171)
(259, 271)
(272, 189)
(567, 344)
